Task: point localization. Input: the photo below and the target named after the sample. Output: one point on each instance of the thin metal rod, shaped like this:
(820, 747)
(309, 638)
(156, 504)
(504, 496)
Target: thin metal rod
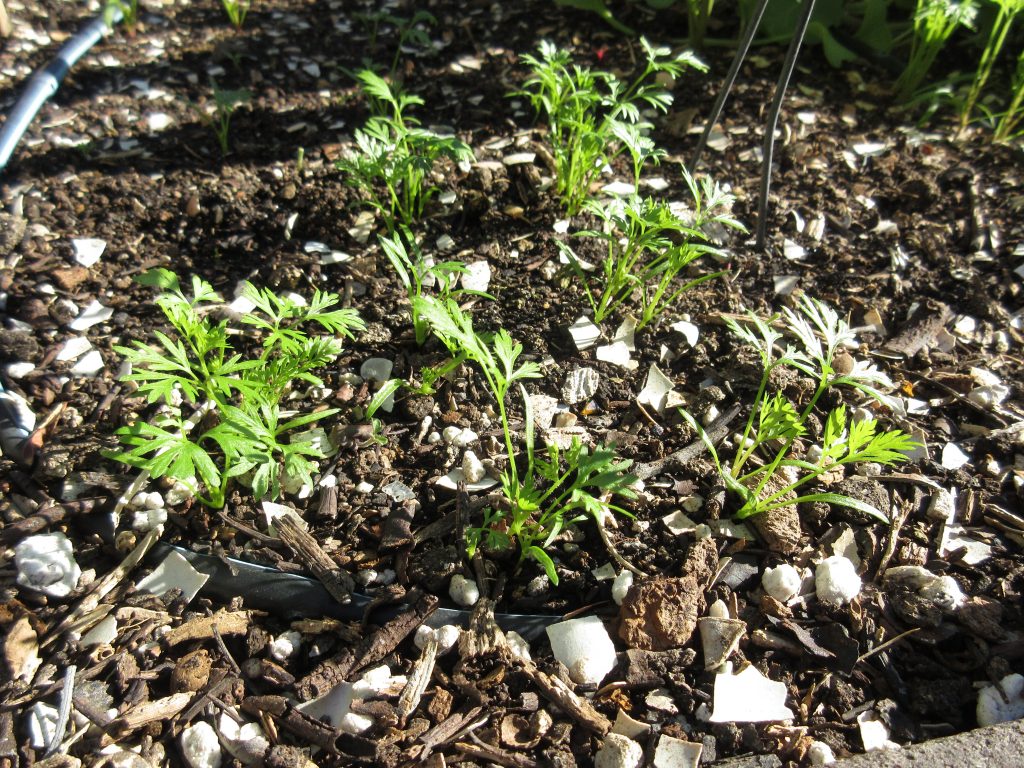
(773, 119)
(730, 80)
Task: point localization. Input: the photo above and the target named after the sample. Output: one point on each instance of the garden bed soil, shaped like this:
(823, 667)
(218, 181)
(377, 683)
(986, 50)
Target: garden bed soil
(913, 234)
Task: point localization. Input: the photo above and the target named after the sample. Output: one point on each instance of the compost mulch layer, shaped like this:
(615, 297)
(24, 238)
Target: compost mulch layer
(914, 234)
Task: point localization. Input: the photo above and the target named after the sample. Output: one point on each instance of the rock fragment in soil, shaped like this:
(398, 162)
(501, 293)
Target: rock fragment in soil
(661, 613)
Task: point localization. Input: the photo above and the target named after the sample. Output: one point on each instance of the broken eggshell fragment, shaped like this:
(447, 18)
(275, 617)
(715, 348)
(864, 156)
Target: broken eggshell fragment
(749, 697)
(719, 635)
(584, 647)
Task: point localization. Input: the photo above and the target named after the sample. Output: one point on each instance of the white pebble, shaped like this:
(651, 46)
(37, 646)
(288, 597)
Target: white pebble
(993, 708)
(200, 746)
(621, 585)
(782, 582)
(836, 580)
(472, 468)
(517, 645)
(46, 563)
(618, 752)
(820, 753)
(463, 591)
(285, 645)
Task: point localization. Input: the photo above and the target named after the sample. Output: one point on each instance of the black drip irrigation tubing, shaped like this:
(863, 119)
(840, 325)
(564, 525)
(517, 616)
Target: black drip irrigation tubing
(291, 596)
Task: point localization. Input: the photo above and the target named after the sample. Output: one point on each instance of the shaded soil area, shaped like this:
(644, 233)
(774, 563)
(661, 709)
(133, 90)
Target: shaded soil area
(913, 235)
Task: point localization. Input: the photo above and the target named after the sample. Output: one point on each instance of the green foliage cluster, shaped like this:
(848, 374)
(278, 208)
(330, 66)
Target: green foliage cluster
(251, 435)
(593, 117)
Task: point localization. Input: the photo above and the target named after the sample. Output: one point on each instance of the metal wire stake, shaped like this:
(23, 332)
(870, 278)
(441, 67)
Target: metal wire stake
(773, 119)
(730, 80)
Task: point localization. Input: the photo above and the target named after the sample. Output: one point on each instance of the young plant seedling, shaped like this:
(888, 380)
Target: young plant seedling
(648, 246)
(236, 11)
(418, 272)
(935, 21)
(225, 102)
(775, 424)
(593, 117)
(393, 152)
(553, 490)
(198, 367)
(1008, 11)
(410, 31)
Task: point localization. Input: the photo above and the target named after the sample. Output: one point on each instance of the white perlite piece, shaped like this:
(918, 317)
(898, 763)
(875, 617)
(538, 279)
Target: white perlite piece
(621, 585)
(943, 591)
(46, 563)
(246, 741)
(446, 635)
(618, 752)
(749, 697)
(285, 645)
(472, 468)
(676, 753)
(782, 582)
(993, 708)
(836, 580)
(584, 647)
(463, 591)
(820, 753)
(200, 746)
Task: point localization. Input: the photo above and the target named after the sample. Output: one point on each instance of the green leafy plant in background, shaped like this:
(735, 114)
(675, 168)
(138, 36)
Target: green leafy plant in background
(593, 117)
(236, 11)
(775, 424)
(417, 272)
(1008, 124)
(935, 21)
(601, 9)
(394, 153)
(1001, 24)
(129, 12)
(252, 435)
(845, 29)
(411, 30)
(553, 490)
(225, 102)
(647, 247)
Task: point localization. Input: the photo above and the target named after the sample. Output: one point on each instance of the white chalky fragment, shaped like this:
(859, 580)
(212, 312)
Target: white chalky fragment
(245, 741)
(618, 752)
(88, 250)
(782, 582)
(993, 708)
(584, 647)
(46, 563)
(676, 753)
(463, 591)
(873, 732)
(90, 364)
(92, 315)
(519, 158)
(477, 276)
(820, 753)
(953, 457)
(18, 370)
(621, 585)
(619, 189)
(517, 645)
(580, 385)
(836, 580)
(174, 572)
(472, 468)
(285, 645)
(200, 746)
(749, 697)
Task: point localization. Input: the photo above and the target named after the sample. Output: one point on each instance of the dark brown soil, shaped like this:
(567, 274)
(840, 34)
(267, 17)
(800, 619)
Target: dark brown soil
(919, 232)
